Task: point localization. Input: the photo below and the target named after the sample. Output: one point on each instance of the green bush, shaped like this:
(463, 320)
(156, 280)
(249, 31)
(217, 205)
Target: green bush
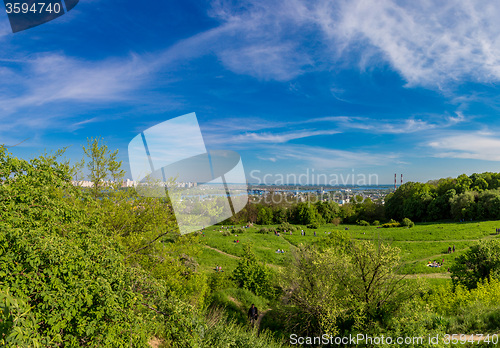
(238, 230)
(391, 224)
(407, 223)
(314, 226)
(376, 223)
(226, 233)
(286, 226)
(219, 281)
(264, 230)
(363, 223)
(58, 262)
(481, 262)
(17, 324)
(252, 275)
(464, 310)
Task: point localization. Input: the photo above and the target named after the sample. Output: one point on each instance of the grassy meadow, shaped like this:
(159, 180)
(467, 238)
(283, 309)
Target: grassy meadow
(423, 243)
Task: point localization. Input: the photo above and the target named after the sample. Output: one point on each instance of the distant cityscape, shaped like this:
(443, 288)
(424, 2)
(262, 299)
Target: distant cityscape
(340, 195)
(127, 183)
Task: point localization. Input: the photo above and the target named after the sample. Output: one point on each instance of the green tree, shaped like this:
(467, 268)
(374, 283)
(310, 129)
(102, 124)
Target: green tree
(463, 184)
(102, 165)
(265, 216)
(252, 275)
(343, 287)
(280, 215)
(489, 204)
(480, 262)
(463, 206)
(58, 264)
(328, 210)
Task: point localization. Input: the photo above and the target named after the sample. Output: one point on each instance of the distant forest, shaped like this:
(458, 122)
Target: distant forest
(475, 197)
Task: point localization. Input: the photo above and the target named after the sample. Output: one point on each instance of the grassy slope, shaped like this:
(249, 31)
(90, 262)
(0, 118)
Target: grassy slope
(425, 242)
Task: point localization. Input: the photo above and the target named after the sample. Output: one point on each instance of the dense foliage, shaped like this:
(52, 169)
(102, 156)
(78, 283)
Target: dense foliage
(57, 262)
(252, 275)
(481, 262)
(77, 271)
(473, 197)
(104, 267)
(343, 286)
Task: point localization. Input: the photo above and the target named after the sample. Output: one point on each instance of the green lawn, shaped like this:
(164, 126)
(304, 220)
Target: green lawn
(420, 244)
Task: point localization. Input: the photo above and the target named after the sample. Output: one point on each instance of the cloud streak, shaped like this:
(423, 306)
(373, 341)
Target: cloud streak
(467, 146)
(322, 158)
(432, 44)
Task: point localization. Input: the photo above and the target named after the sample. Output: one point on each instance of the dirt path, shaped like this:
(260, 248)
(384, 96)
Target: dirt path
(222, 252)
(429, 275)
(237, 257)
(155, 342)
(259, 319)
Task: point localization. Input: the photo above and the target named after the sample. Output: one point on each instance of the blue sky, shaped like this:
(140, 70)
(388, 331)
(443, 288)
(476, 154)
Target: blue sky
(336, 86)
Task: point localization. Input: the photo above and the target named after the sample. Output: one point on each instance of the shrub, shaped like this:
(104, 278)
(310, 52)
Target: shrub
(226, 233)
(480, 262)
(391, 224)
(314, 226)
(219, 281)
(59, 265)
(336, 221)
(238, 230)
(252, 275)
(363, 223)
(264, 230)
(286, 226)
(407, 223)
(376, 223)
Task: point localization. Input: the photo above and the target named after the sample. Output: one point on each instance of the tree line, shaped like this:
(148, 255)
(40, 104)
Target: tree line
(475, 197)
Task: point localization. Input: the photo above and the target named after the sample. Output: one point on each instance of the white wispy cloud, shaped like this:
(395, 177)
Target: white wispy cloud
(324, 158)
(475, 145)
(276, 137)
(257, 131)
(53, 78)
(380, 125)
(428, 43)
(246, 124)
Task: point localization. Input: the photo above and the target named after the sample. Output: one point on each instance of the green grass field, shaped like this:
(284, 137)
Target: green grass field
(423, 243)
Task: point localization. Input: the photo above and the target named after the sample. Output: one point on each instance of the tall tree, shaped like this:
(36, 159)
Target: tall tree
(480, 262)
(348, 284)
(102, 165)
